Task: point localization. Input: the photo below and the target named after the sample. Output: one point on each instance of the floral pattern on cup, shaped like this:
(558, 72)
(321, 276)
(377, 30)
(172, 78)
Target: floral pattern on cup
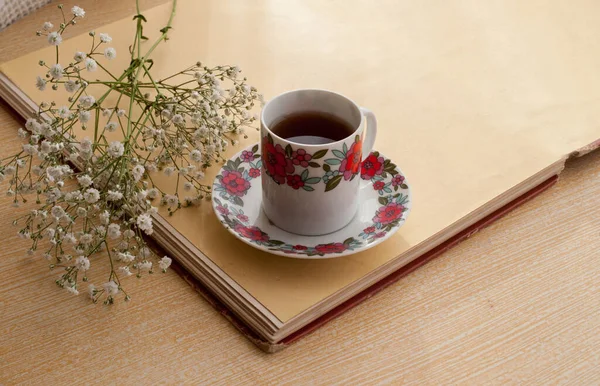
(349, 161)
(384, 178)
(300, 181)
(285, 166)
(291, 167)
(234, 180)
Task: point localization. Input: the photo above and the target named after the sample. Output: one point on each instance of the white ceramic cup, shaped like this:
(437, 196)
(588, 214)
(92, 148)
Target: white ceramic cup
(311, 186)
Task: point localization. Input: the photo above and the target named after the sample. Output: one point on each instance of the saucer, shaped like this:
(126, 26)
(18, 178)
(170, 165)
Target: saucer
(385, 203)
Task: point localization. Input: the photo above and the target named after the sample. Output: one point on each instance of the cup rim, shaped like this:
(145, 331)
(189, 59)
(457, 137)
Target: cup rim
(306, 145)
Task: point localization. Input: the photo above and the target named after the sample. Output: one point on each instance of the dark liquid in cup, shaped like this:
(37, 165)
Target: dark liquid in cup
(311, 127)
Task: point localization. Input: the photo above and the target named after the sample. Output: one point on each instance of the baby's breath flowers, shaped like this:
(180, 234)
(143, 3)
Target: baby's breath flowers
(95, 192)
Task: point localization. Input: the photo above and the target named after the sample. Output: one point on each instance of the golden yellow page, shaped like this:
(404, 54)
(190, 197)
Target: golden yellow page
(472, 98)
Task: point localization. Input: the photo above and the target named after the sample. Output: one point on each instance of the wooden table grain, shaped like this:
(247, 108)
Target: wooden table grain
(519, 302)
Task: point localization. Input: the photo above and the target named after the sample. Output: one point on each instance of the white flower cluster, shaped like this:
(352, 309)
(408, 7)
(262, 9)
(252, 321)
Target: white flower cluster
(104, 205)
(82, 60)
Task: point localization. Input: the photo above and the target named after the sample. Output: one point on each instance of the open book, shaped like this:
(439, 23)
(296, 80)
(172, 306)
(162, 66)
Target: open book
(477, 103)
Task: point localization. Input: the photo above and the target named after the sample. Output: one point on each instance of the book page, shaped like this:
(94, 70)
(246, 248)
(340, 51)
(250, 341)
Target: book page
(472, 98)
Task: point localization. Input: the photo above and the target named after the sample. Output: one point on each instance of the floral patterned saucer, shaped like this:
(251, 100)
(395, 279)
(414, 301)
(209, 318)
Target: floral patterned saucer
(385, 202)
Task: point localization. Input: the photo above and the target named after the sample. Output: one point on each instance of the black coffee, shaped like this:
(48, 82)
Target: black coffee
(312, 127)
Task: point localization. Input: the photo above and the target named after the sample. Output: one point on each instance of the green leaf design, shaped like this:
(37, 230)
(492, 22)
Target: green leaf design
(376, 154)
(319, 154)
(304, 174)
(312, 180)
(332, 183)
(255, 148)
(313, 164)
(308, 188)
(326, 167)
(276, 242)
(344, 148)
(333, 161)
(338, 153)
(348, 240)
(357, 138)
(238, 201)
(288, 151)
(402, 199)
(269, 138)
(256, 156)
(389, 168)
(230, 166)
(404, 186)
(396, 188)
(383, 200)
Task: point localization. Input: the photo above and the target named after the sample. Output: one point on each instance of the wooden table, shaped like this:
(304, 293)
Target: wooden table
(517, 303)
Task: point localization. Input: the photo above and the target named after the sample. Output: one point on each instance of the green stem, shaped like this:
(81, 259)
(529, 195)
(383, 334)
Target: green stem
(143, 60)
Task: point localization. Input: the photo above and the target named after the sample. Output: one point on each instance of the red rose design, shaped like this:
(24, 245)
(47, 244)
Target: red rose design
(252, 233)
(254, 172)
(371, 166)
(351, 163)
(235, 184)
(300, 157)
(379, 235)
(242, 217)
(369, 229)
(224, 211)
(295, 181)
(378, 185)
(331, 248)
(397, 180)
(388, 213)
(300, 247)
(276, 164)
(247, 156)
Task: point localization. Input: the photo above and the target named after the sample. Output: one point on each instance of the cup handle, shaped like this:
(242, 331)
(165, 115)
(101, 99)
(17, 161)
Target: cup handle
(369, 140)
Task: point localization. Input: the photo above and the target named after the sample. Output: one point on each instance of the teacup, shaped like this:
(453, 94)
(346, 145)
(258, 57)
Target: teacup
(310, 182)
